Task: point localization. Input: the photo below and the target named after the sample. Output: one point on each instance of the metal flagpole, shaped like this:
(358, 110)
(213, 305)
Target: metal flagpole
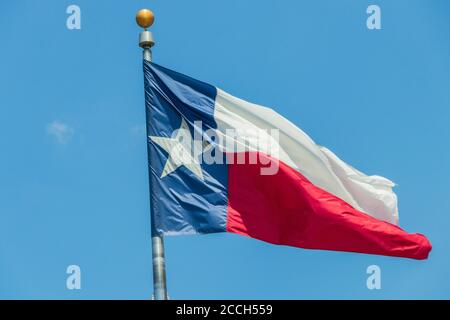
(145, 19)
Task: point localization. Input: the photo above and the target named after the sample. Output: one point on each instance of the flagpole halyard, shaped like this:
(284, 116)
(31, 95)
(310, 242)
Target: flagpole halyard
(145, 19)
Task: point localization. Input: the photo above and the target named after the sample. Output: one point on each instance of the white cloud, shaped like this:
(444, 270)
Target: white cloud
(60, 131)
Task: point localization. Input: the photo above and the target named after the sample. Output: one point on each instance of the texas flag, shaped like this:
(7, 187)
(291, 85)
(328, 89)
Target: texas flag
(221, 164)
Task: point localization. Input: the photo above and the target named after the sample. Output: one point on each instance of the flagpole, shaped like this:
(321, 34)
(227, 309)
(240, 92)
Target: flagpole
(145, 19)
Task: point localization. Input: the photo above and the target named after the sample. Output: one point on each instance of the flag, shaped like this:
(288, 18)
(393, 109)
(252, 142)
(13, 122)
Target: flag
(218, 163)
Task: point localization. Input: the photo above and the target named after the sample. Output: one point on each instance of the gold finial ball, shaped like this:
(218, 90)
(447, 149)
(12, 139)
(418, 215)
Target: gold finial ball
(145, 18)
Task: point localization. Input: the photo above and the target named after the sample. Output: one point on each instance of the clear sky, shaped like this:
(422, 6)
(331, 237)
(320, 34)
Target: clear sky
(73, 175)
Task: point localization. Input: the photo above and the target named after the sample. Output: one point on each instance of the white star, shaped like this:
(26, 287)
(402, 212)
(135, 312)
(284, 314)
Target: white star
(180, 151)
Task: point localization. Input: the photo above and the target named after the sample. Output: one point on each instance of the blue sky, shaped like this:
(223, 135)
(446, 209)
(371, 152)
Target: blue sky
(73, 177)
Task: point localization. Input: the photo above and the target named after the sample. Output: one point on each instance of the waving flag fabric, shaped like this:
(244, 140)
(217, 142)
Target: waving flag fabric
(221, 164)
